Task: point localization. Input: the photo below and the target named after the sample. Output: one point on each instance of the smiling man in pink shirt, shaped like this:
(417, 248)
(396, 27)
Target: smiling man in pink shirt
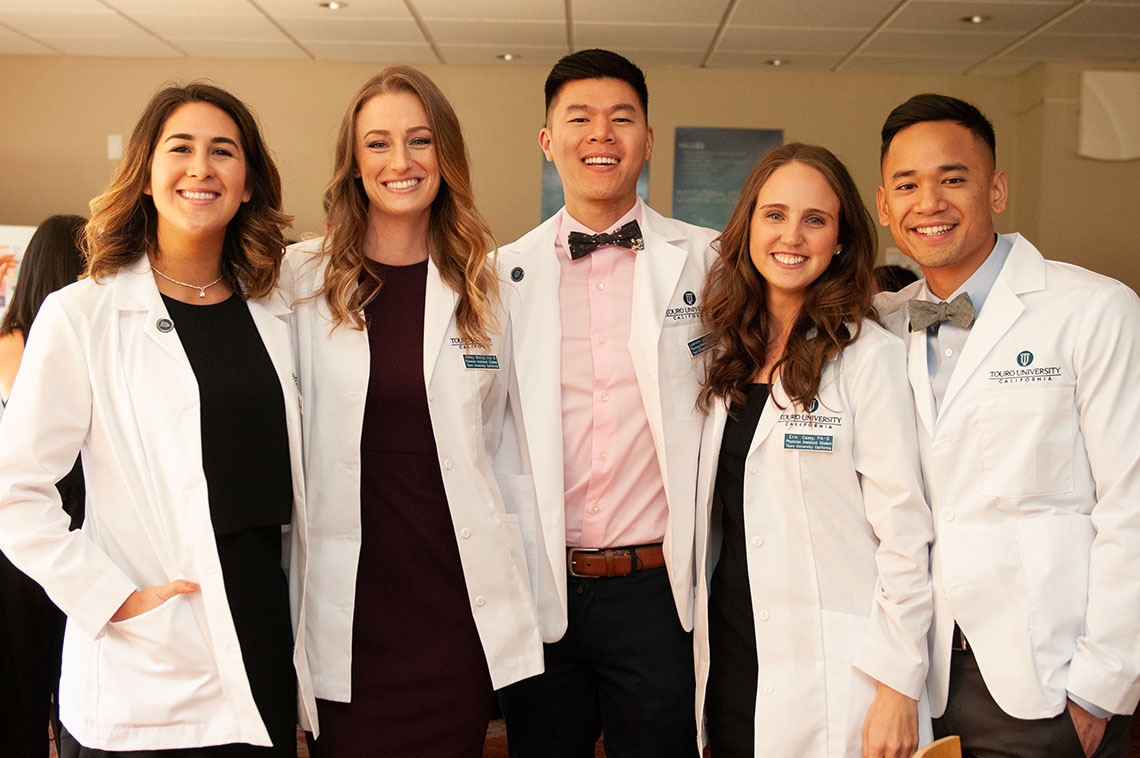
(605, 317)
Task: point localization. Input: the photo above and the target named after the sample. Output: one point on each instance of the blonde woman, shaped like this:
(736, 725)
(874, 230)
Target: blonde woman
(424, 606)
(170, 367)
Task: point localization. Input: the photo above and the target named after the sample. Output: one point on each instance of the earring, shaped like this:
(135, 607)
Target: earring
(838, 250)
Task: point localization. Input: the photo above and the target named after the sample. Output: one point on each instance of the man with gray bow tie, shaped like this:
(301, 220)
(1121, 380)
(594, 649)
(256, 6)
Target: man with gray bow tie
(1024, 374)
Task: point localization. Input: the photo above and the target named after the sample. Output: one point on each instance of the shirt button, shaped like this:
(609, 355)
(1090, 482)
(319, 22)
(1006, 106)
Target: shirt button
(595, 509)
(605, 397)
(758, 541)
(601, 286)
(465, 533)
(601, 339)
(764, 615)
(604, 456)
(447, 464)
(480, 601)
(942, 593)
(768, 689)
(949, 352)
(947, 515)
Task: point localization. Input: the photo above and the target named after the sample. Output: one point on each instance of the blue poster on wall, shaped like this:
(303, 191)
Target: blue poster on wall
(709, 169)
(553, 199)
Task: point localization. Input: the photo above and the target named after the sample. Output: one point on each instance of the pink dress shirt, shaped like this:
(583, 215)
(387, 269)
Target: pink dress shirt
(614, 492)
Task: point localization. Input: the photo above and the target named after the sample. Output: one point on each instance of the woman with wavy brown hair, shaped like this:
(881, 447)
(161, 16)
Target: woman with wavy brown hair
(815, 602)
(170, 367)
(420, 575)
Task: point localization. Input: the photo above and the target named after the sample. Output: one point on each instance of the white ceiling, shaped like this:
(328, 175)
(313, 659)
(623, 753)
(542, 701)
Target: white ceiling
(891, 36)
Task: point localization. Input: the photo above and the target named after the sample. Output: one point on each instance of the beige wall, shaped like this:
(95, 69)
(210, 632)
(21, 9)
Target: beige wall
(59, 111)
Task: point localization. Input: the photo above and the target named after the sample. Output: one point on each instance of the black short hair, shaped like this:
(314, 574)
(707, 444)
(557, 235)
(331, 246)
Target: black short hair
(933, 107)
(596, 64)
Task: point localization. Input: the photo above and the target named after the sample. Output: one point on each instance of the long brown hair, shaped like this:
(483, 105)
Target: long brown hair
(458, 238)
(735, 302)
(124, 222)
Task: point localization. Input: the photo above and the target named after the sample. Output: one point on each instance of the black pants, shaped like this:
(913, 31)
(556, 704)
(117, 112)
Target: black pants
(624, 666)
(989, 732)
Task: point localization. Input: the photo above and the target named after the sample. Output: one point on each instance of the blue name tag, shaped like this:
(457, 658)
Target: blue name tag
(490, 362)
(821, 443)
(699, 345)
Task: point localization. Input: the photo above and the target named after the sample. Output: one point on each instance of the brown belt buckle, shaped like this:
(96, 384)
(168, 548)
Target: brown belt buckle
(585, 551)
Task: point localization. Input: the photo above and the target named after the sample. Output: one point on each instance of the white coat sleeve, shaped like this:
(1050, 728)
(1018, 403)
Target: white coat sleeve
(894, 650)
(44, 426)
(1105, 669)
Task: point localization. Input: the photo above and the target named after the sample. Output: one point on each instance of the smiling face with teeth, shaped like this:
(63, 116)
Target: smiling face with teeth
(396, 159)
(939, 193)
(598, 137)
(197, 176)
(794, 232)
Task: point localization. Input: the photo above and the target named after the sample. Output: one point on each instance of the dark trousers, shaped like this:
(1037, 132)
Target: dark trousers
(624, 666)
(989, 732)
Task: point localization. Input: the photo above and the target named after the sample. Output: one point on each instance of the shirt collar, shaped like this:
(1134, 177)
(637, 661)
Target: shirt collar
(980, 283)
(568, 223)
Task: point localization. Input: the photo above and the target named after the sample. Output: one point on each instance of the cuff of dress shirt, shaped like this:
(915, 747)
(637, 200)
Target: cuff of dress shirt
(1095, 710)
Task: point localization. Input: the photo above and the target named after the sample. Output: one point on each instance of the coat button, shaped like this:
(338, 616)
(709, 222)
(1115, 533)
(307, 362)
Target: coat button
(947, 514)
(768, 689)
(764, 615)
(480, 601)
(447, 464)
(752, 468)
(758, 541)
(465, 533)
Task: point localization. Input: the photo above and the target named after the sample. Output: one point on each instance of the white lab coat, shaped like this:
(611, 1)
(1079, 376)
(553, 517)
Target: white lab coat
(466, 407)
(1032, 470)
(665, 322)
(838, 547)
(100, 376)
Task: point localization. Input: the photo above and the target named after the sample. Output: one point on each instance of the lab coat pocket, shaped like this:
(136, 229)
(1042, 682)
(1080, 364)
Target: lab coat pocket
(521, 519)
(1027, 441)
(683, 366)
(156, 666)
(1054, 552)
(850, 692)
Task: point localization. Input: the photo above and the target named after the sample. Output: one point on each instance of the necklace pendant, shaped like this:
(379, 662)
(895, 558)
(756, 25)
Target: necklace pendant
(202, 292)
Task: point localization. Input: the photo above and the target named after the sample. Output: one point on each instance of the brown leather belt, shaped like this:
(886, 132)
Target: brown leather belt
(958, 641)
(594, 563)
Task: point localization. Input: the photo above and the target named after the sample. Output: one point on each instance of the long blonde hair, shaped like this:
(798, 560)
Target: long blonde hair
(124, 222)
(458, 238)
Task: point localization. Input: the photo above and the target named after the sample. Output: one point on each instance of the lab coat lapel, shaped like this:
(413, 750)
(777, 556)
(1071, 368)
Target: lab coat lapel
(439, 307)
(1024, 271)
(656, 271)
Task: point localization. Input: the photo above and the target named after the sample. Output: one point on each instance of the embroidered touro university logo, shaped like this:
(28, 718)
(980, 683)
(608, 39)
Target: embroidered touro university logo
(1024, 373)
(809, 418)
(689, 310)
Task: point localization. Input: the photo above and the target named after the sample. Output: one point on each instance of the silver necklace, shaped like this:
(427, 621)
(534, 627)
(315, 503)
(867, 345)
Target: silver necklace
(201, 289)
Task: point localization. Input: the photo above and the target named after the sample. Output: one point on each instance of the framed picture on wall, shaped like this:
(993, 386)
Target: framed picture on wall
(709, 168)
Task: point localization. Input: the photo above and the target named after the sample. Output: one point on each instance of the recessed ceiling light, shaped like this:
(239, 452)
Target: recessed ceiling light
(975, 19)
(778, 62)
(508, 56)
(333, 5)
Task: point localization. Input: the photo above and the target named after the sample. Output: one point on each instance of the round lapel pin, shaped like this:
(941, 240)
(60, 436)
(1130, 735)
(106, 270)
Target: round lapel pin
(164, 325)
(517, 274)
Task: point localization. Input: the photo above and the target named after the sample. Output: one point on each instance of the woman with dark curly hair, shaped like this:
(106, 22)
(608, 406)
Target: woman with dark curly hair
(170, 367)
(814, 608)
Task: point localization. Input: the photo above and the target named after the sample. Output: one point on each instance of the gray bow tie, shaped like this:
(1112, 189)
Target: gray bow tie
(959, 312)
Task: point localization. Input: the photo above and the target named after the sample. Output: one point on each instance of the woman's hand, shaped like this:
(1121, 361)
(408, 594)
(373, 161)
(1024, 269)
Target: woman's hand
(141, 601)
(891, 729)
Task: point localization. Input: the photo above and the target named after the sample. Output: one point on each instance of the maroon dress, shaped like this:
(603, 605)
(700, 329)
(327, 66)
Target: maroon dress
(420, 685)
